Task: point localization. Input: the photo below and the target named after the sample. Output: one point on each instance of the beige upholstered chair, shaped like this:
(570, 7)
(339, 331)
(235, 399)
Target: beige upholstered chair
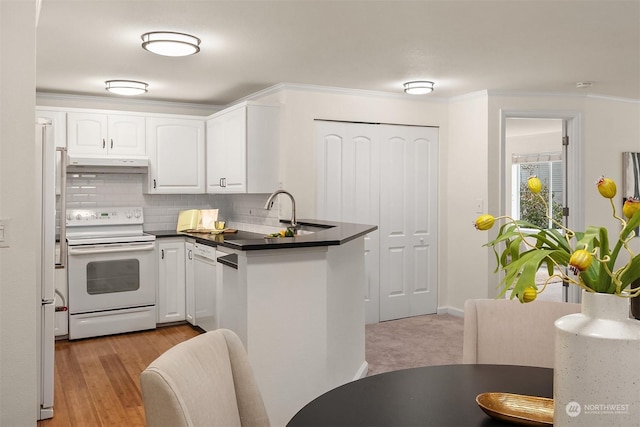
(204, 381)
(507, 332)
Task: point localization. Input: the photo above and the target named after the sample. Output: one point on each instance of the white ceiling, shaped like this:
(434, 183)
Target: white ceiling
(247, 46)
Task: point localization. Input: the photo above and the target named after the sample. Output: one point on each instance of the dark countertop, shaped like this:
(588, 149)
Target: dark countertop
(330, 234)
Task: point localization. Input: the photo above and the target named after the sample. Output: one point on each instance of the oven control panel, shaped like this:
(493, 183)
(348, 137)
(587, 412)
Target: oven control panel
(104, 216)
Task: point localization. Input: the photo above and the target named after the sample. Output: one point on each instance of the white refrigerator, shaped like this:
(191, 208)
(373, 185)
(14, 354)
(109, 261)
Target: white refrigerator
(50, 184)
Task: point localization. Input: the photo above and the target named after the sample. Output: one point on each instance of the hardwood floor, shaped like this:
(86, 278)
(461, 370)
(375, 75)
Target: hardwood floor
(97, 379)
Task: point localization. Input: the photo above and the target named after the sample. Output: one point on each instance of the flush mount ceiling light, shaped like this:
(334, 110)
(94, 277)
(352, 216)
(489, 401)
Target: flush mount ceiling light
(168, 43)
(418, 87)
(126, 87)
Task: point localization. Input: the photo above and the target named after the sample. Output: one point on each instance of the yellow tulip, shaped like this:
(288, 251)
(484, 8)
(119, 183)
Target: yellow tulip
(607, 187)
(630, 207)
(484, 222)
(534, 184)
(580, 260)
(529, 294)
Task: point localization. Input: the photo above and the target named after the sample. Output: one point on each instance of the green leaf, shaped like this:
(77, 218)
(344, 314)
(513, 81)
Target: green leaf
(520, 273)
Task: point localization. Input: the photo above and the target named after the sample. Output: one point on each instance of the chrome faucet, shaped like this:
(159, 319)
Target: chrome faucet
(269, 205)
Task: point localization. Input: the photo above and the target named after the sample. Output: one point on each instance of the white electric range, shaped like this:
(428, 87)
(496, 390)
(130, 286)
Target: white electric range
(111, 272)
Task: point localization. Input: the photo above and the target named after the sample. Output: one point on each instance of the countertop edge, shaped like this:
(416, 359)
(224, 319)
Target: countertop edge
(333, 234)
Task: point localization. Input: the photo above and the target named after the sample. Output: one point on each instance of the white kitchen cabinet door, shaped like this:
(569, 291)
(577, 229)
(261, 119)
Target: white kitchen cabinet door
(106, 134)
(126, 135)
(87, 133)
(176, 155)
(242, 150)
(189, 270)
(171, 280)
(226, 152)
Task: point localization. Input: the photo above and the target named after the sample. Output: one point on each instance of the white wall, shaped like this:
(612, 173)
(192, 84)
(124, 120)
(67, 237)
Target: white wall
(611, 127)
(18, 369)
(464, 178)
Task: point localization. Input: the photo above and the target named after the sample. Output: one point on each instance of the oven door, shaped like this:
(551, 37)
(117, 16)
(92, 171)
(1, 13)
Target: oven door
(111, 276)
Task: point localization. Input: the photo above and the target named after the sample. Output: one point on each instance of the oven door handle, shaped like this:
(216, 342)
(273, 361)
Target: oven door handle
(109, 249)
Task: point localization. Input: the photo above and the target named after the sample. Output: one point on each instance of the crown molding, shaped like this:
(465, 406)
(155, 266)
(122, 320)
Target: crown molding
(212, 108)
(563, 95)
(208, 108)
(339, 91)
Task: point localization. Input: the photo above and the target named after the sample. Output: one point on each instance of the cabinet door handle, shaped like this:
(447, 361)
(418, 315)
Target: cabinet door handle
(112, 143)
(104, 143)
(190, 254)
(162, 254)
(154, 183)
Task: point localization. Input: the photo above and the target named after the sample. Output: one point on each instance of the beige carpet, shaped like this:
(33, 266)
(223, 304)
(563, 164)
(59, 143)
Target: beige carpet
(434, 339)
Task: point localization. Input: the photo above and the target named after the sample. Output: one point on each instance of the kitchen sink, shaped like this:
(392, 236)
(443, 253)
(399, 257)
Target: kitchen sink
(306, 229)
(309, 229)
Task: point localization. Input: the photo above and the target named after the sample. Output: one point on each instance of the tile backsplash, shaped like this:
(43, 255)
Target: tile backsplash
(89, 190)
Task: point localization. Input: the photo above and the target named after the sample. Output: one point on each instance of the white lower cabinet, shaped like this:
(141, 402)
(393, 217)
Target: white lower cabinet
(171, 280)
(187, 283)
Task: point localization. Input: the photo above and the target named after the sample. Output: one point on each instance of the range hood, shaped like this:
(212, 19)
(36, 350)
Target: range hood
(107, 164)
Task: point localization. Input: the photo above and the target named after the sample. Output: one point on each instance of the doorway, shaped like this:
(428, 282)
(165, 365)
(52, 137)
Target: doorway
(546, 145)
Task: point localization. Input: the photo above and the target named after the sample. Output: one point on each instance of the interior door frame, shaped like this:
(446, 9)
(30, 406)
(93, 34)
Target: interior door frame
(574, 164)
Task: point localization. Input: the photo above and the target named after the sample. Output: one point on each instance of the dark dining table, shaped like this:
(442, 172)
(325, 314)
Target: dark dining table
(436, 396)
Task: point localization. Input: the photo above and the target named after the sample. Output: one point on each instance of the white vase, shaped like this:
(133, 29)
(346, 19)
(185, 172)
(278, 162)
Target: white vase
(596, 380)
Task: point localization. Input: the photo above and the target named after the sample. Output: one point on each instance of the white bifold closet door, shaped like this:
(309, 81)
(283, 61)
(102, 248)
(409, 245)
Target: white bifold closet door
(385, 175)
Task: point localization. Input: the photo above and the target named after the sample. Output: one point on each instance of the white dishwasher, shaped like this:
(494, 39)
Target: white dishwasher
(204, 276)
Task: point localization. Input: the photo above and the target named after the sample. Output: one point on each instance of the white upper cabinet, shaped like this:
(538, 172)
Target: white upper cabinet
(226, 153)
(176, 155)
(106, 134)
(242, 149)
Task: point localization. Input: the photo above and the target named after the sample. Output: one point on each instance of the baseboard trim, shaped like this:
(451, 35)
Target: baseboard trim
(451, 310)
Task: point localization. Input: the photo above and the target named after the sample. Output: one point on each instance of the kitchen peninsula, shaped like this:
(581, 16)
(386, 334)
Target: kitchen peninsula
(297, 303)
